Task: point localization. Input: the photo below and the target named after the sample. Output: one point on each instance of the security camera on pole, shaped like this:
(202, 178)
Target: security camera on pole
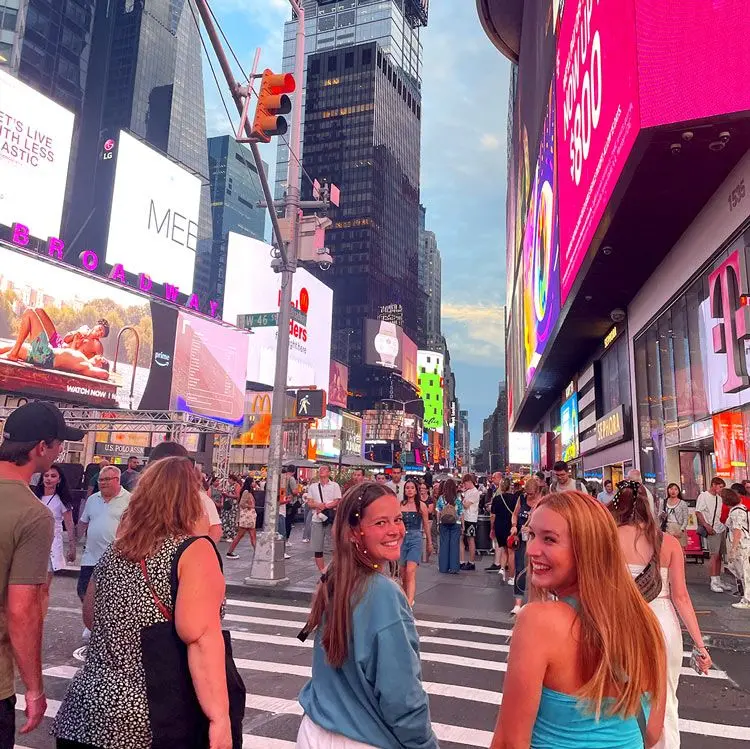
(272, 103)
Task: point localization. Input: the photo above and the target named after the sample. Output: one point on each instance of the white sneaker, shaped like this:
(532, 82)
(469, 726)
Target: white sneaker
(511, 580)
(286, 556)
(726, 586)
(717, 588)
(516, 610)
(743, 604)
(86, 635)
(501, 572)
(305, 540)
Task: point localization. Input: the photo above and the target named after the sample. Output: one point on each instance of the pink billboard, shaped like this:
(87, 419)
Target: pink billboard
(338, 384)
(597, 118)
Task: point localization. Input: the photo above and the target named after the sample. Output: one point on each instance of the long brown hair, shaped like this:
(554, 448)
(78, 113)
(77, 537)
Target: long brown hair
(621, 642)
(343, 583)
(450, 491)
(166, 502)
(630, 507)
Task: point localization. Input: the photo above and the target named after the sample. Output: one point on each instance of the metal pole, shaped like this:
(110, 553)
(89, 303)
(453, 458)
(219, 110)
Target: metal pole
(268, 561)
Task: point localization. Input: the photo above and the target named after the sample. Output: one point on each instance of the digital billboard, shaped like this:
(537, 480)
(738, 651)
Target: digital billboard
(541, 251)
(519, 448)
(209, 369)
(326, 437)
(252, 287)
(338, 384)
(73, 336)
(410, 370)
(383, 345)
(597, 119)
(35, 138)
(154, 219)
(431, 384)
(569, 428)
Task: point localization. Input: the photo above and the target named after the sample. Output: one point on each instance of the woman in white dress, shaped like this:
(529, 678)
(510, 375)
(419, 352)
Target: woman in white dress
(53, 492)
(641, 541)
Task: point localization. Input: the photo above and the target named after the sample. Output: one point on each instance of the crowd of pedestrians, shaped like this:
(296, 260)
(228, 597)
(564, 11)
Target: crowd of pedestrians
(159, 672)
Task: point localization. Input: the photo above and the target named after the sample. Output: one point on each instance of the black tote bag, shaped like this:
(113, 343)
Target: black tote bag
(177, 720)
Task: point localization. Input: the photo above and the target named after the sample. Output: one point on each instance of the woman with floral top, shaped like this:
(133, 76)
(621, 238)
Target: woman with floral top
(450, 512)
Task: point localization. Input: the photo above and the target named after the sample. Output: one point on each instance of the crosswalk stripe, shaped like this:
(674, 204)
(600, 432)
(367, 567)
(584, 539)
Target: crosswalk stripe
(279, 705)
(263, 742)
(427, 624)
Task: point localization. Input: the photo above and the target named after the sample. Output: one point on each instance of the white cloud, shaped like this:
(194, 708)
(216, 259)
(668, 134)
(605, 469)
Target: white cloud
(474, 333)
(490, 142)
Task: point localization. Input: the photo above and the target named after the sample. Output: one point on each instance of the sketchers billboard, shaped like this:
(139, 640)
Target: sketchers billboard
(253, 288)
(76, 337)
(35, 140)
(154, 218)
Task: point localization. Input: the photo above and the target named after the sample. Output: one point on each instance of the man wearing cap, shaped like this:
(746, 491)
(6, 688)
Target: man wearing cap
(32, 440)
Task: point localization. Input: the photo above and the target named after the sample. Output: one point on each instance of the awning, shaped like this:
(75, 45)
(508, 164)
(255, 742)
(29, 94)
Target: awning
(353, 461)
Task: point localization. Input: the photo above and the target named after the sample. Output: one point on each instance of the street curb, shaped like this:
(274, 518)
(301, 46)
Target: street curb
(286, 593)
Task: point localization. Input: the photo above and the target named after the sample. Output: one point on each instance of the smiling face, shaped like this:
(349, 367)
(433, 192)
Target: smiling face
(51, 479)
(381, 530)
(550, 552)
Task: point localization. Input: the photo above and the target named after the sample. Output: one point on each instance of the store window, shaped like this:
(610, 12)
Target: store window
(689, 427)
(614, 377)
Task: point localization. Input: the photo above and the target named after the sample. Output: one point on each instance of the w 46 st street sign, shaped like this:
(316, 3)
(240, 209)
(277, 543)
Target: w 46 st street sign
(268, 319)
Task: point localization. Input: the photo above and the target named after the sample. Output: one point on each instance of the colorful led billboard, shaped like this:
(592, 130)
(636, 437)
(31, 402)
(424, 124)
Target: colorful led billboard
(597, 119)
(338, 384)
(569, 428)
(541, 251)
(80, 339)
(430, 364)
(35, 137)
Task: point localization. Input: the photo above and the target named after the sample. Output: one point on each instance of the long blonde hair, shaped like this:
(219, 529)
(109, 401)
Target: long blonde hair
(166, 502)
(621, 650)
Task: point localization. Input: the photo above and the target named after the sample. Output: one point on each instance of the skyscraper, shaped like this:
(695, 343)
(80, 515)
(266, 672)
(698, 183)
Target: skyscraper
(430, 279)
(145, 77)
(235, 192)
(48, 45)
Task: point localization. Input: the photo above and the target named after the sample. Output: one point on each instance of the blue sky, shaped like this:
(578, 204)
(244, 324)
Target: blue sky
(464, 117)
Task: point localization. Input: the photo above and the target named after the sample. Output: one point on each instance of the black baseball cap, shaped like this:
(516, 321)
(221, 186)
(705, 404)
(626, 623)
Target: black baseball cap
(37, 421)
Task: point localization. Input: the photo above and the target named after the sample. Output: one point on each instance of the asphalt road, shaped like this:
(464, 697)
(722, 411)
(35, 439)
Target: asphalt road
(463, 668)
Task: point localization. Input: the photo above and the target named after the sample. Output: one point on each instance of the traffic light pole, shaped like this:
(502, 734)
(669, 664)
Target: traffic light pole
(268, 560)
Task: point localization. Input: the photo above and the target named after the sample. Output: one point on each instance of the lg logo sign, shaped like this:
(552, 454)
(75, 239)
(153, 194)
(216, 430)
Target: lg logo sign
(728, 288)
(108, 150)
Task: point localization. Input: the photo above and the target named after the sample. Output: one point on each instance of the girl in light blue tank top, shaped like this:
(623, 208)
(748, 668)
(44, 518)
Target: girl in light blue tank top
(560, 662)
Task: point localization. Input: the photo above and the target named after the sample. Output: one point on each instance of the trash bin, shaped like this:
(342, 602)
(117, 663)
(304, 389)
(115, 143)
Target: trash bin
(484, 542)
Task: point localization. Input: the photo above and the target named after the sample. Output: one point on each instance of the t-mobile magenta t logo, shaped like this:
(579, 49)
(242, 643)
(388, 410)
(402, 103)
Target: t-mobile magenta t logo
(727, 285)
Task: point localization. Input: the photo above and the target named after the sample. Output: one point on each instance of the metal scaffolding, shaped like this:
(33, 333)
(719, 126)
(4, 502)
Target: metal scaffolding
(176, 423)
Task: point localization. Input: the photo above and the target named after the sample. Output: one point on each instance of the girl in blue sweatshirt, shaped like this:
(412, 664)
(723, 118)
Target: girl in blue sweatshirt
(366, 688)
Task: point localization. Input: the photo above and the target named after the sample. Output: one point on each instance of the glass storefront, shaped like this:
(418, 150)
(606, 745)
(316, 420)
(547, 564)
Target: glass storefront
(689, 427)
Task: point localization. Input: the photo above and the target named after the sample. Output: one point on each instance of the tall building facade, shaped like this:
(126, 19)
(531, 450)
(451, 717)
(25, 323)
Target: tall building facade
(47, 44)
(145, 76)
(430, 280)
(235, 192)
(362, 132)
(330, 24)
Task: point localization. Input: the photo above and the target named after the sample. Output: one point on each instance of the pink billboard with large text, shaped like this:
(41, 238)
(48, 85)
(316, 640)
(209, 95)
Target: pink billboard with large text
(597, 118)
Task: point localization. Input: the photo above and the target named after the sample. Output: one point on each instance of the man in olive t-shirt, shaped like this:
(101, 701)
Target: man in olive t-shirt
(32, 440)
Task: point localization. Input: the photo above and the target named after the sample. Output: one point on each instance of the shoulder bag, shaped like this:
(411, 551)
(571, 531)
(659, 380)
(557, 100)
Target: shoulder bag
(649, 581)
(701, 531)
(176, 717)
(449, 514)
(328, 514)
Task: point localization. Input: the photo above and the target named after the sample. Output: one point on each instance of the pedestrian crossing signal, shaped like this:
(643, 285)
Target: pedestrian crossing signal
(272, 102)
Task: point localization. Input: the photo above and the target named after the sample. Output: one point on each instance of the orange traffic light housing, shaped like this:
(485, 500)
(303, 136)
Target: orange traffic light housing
(272, 103)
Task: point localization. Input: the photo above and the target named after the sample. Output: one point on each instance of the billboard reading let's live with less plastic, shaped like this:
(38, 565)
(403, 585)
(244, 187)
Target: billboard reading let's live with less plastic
(597, 118)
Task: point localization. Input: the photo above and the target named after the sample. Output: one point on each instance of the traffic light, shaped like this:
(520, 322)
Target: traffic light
(272, 102)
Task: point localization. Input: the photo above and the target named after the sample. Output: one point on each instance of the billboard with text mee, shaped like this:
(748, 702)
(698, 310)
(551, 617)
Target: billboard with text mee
(154, 219)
